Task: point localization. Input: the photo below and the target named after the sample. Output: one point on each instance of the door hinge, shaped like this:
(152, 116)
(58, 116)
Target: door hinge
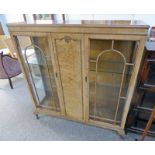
(85, 78)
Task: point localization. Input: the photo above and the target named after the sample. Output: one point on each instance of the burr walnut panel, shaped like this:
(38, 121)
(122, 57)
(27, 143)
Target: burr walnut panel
(69, 49)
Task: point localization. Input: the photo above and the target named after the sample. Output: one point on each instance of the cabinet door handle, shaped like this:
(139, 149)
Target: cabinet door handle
(85, 78)
(56, 74)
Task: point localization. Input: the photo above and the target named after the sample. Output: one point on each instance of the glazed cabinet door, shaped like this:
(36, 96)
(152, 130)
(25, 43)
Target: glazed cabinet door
(68, 50)
(37, 61)
(111, 62)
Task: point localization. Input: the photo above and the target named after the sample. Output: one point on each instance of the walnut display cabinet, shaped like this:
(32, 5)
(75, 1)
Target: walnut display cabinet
(84, 71)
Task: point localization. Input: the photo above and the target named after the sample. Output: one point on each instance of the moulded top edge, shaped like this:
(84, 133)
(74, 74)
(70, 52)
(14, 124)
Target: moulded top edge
(84, 23)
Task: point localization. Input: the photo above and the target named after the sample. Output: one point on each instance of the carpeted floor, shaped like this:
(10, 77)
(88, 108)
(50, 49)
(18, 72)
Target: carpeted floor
(17, 121)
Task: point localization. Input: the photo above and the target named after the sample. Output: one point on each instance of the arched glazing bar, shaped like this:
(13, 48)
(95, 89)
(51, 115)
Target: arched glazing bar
(42, 58)
(121, 83)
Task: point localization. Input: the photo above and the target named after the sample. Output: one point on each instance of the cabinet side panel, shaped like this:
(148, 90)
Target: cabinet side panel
(70, 63)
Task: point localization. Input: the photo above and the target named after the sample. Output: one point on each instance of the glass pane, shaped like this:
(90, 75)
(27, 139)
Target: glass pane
(106, 70)
(37, 61)
(34, 63)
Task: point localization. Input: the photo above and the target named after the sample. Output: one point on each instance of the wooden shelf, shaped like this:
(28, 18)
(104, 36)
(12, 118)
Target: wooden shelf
(140, 131)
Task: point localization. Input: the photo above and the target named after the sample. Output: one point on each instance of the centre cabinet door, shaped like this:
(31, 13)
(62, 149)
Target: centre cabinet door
(68, 50)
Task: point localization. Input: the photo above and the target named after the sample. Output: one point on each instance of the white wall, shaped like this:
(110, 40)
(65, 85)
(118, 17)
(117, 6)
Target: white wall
(99, 16)
(148, 19)
(4, 22)
(113, 17)
(10, 18)
(14, 18)
(29, 18)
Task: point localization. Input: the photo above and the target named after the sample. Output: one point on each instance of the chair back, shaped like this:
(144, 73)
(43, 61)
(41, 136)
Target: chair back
(3, 74)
